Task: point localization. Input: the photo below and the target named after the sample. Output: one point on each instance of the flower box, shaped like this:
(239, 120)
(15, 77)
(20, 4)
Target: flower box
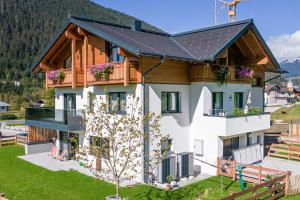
(101, 71)
(244, 73)
(56, 76)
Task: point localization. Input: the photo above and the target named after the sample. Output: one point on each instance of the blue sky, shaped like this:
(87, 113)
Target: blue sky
(277, 20)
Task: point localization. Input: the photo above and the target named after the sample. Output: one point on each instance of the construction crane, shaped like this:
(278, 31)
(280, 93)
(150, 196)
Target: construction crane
(231, 8)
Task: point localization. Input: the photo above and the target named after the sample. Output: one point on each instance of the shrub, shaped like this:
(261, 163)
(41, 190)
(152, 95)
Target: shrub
(8, 117)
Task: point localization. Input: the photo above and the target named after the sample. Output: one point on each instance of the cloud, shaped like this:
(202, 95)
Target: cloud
(285, 46)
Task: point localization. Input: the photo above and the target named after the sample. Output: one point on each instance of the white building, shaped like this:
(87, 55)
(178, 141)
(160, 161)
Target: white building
(4, 107)
(177, 76)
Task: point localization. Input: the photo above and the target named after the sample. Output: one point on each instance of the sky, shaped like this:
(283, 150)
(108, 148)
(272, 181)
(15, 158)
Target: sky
(277, 20)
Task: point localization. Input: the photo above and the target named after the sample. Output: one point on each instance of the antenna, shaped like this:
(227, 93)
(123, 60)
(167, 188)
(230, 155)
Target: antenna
(231, 8)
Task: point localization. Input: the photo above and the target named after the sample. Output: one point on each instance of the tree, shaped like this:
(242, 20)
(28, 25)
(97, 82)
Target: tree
(118, 138)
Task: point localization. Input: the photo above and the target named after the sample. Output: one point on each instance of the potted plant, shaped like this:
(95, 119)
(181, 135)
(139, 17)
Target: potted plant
(55, 76)
(222, 73)
(243, 72)
(169, 180)
(102, 71)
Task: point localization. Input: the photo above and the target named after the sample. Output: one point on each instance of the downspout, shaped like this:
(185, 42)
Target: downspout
(146, 124)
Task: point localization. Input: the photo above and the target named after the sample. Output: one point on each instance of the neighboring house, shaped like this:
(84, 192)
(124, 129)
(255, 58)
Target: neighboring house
(278, 96)
(175, 75)
(4, 107)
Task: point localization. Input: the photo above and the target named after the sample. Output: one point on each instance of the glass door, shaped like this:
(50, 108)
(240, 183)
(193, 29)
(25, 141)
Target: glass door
(70, 101)
(217, 103)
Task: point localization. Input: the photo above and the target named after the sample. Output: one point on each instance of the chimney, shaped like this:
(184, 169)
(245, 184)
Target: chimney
(137, 25)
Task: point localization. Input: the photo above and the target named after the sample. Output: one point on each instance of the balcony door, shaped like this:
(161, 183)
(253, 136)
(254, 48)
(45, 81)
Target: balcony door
(70, 101)
(217, 103)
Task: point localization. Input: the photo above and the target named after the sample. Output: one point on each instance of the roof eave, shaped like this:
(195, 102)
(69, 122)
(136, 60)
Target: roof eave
(90, 29)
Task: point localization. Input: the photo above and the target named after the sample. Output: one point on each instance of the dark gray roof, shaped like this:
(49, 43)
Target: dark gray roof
(206, 44)
(198, 45)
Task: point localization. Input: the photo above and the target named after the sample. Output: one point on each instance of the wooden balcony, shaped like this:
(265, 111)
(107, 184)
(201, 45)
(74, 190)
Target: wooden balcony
(67, 81)
(208, 73)
(119, 75)
(116, 77)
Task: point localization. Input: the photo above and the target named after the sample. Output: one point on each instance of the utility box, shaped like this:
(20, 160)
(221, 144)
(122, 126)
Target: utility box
(185, 164)
(166, 168)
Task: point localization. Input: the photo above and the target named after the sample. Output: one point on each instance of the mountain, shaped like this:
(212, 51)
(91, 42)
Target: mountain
(292, 66)
(27, 25)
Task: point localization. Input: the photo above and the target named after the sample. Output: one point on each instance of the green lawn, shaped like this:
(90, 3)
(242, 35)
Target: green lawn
(287, 114)
(22, 180)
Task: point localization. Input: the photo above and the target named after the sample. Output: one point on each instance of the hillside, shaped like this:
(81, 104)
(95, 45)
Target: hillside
(26, 28)
(292, 66)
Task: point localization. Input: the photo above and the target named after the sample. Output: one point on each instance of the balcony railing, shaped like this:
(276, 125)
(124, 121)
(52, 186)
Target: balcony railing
(73, 119)
(230, 124)
(67, 80)
(236, 113)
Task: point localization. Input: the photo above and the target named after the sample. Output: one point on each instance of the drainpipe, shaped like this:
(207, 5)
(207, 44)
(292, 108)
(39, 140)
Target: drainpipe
(146, 125)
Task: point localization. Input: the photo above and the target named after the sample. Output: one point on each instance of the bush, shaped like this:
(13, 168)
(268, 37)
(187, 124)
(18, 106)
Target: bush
(8, 117)
(254, 111)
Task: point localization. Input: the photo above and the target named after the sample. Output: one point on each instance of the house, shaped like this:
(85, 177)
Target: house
(279, 96)
(4, 107)
(208, 85)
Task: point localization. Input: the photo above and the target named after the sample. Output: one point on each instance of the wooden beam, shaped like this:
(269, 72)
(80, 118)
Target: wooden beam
(85, 60)
(81, 32)
(260, 61)
(73, 49)
(248, 47)
(126, 71)
(60, 50)
(73, 35)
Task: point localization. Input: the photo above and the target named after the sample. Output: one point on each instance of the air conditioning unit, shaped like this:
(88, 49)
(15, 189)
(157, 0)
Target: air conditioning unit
(185, 164)
(166, 168)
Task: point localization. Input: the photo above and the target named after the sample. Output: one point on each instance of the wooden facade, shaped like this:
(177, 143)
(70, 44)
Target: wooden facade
(37, 134)
(86, 50)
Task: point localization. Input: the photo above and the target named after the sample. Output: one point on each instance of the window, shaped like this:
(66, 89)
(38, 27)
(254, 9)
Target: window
(229, 145)
(68, 63)
(258, 139)
(117, 102)
(112, 53)
(249, 139)
(238, 100)
(166, 146)
(170, 102)
(99, 147)
(256, 82)
(217, 103)
(199, 147)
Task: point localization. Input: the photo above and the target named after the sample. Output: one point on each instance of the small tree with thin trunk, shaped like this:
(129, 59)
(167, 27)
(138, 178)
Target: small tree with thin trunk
(117, 136)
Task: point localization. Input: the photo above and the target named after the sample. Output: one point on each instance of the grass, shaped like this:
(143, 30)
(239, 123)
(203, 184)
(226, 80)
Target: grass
(19, 124)
(287, 114)
(22, 180)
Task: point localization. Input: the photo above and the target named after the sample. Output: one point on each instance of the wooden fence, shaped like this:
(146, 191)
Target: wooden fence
(11, 140)
(251, 173)
(288, 151)
(273, 189)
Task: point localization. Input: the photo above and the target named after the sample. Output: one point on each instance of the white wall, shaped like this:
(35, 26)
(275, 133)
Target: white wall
(175, 124)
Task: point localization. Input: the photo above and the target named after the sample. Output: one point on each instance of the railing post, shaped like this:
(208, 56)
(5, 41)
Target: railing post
(73, 49)
(126, 71)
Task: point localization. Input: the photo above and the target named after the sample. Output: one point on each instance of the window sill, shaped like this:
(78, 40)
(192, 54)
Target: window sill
(170, 113)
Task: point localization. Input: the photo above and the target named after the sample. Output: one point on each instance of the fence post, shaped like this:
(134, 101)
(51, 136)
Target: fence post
(234, 170)
(259, 168)
(287, 182)
(218, 166)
